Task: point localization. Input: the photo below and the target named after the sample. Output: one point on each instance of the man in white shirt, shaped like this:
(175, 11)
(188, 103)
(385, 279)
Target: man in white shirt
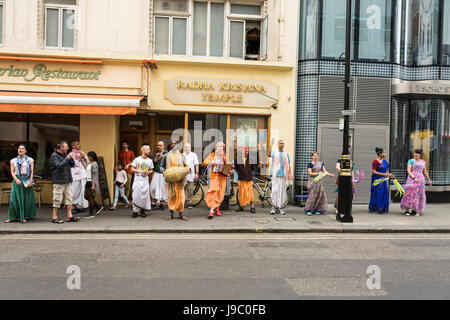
(142, 167)
(193, 164)
(79, 203)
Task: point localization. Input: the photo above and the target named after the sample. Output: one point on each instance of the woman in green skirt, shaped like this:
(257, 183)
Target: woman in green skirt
(22, 203)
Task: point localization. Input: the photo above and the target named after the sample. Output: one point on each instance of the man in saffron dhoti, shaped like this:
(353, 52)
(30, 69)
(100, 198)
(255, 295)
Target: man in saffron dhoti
(142, 167)
(158, 185)
(175, 190)
(79, 203)
(244, 165)
(218, 180)
(280, 172)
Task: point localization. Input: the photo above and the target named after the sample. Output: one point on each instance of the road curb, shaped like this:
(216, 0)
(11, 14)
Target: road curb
(324, 230)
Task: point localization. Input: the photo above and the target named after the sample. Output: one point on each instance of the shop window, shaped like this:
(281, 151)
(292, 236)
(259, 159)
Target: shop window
(40, 132)
(421, 124)
(60, 24)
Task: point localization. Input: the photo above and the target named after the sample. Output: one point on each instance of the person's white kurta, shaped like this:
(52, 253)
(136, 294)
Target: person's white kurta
(141, 186)
(158, 187)
(79, 182)
(279, 191)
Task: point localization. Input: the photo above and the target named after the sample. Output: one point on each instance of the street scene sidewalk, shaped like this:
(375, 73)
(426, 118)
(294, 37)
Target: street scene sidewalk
(435, 219)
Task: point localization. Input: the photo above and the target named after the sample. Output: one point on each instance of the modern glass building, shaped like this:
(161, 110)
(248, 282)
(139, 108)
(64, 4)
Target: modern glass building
(400, 86)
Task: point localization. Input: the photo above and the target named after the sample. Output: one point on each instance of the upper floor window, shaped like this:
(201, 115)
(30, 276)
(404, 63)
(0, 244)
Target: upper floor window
(445, 53)
(210, 28)
(60, 24)
(1, 22)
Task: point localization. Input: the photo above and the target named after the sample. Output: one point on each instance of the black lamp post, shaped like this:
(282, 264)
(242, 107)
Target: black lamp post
(345, 194)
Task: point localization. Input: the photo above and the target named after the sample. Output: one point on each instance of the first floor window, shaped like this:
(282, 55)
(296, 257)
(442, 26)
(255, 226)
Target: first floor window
(60, 24)
(1, 23)
(170, 35)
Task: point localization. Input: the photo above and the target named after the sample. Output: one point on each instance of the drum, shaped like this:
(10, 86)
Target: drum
(176, 174)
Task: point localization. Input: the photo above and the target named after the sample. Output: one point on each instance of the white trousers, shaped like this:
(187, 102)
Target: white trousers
(78, 194)
(158, 187)
(279, 191)
(141, 196)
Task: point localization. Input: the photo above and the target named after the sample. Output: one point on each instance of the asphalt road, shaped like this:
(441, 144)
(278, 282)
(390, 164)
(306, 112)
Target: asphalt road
(225, 266)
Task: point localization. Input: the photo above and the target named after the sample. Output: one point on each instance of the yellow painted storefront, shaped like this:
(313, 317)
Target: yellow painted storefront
(106, 81)
(234, 89)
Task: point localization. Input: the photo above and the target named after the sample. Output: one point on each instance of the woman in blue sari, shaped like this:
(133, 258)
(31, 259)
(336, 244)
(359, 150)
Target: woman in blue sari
(379, 194)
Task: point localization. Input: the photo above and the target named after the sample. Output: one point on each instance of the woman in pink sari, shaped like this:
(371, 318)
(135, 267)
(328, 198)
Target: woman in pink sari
(414, 200)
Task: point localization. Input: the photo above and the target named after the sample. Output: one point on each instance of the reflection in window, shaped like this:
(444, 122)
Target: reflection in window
(446, 33)
(333, 28)
(374, 29)
(419, 32)
(309, 29)
(44, 131)
(421, 124)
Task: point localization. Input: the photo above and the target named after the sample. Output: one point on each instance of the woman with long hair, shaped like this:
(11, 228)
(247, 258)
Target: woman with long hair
(414, 200)
(379, 190)
(22, 203)
(92, 187)
(317, 198)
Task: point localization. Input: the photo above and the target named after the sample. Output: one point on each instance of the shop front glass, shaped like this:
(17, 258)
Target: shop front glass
(421, 124)
(40, 133)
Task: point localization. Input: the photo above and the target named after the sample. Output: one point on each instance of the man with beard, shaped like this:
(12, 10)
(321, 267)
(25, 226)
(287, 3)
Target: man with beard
(142, 167)
(175, 190)
(158, 185)
(79, 203)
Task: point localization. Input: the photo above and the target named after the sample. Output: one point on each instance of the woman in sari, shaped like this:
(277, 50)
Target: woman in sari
(22, 203)
(379, 193)
(317, 198)
(218, 180)
(414, 200)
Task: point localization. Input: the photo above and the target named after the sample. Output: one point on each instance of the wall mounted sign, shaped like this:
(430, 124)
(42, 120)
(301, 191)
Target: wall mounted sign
(436, 87)
(71, 74)
(221, 92)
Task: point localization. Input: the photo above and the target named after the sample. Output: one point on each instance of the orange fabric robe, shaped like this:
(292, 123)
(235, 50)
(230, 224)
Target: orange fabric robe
(176, 203)
(217, 186)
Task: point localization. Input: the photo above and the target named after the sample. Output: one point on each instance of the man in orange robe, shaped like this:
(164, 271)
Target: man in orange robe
(218, 180)
(175, 190)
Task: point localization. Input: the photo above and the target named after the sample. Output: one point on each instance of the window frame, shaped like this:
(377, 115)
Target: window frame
(170, 44)
(60, 9)
(243, 18)
(228, 17)
(208, 29)
(2, 38)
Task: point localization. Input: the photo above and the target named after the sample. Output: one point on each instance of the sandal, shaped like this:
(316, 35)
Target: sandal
(73, 219)
(13, 220)
(24, 221)
(169, 217)
(182, 217)
(57, 220)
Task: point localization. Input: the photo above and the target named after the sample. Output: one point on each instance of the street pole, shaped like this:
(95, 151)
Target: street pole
(345, 194)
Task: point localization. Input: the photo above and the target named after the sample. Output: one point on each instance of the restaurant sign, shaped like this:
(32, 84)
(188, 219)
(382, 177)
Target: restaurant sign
(221, 92)
(42, 72)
